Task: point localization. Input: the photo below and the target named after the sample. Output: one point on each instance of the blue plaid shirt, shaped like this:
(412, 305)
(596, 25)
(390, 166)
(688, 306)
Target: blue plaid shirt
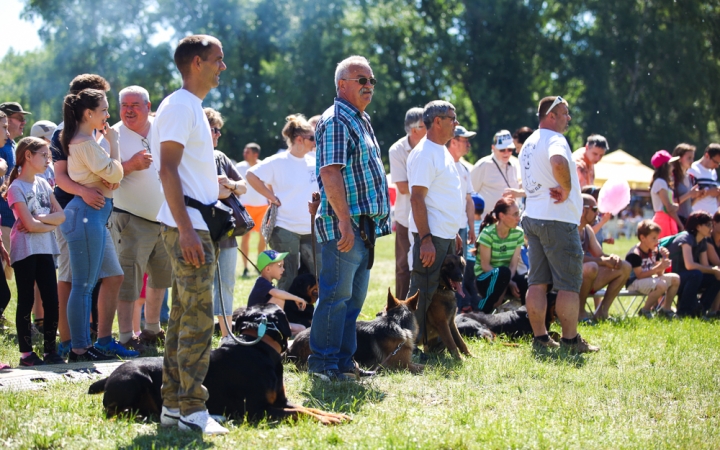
(7, 152)
(344, 136)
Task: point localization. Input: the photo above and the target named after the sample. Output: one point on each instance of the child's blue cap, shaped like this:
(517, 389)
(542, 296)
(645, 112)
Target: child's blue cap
(479, 201)
(268, 257)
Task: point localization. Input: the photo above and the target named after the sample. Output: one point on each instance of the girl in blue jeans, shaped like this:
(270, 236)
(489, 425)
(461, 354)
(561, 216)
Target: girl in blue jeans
(84, 227)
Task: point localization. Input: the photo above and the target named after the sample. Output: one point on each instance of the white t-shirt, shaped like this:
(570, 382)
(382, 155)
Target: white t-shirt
(700, 173)
(293, 181)
(398, 155)
(430, 165)
(251, 197)
(538, 178)
(140, 184)
(180, 118)
(657, 186)
(466, 188)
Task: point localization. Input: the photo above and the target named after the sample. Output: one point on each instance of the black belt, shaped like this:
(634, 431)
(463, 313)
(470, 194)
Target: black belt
(118, 210)
(367, 234)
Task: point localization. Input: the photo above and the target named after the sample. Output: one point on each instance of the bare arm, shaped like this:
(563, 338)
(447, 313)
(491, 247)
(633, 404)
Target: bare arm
(712, 255)
(91, 196)
(139, 161)
(561, 173)
(55, 218)
(419, 212)
(30, 223)
(402, 187)
(3, 167)
(485, 254)
(262, 188)
(702, 265)
(334, 185)
(470, 212)
(170, 156)
(670, 207)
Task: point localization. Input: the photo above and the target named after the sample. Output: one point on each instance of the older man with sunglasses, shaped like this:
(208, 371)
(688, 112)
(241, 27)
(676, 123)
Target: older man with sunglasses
(494, 174)
(135, 229)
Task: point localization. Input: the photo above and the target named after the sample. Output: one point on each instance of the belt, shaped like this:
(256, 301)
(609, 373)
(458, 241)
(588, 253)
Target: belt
(118, 210)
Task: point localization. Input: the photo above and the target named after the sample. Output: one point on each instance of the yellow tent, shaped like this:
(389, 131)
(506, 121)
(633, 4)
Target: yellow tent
(620, 164)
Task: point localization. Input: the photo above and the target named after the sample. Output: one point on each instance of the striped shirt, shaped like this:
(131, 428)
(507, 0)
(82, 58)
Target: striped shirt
(501, 250)
(344, 136)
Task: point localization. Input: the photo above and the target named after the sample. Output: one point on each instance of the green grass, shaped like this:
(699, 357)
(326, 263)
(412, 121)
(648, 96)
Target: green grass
(654, 384)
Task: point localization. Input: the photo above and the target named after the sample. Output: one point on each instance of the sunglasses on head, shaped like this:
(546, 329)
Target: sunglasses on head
(557, 101)
(594, 208)
(362, 80)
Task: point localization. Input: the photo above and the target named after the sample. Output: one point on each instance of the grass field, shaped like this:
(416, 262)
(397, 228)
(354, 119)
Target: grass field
(654, 384)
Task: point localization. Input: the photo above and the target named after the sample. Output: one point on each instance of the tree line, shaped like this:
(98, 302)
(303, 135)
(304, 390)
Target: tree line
(644, 73)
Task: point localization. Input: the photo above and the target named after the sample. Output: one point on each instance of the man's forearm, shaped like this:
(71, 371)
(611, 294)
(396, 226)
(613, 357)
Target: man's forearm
(65, 182)
(335, 191)
(561, 172)
(419, 211)
(470, 211)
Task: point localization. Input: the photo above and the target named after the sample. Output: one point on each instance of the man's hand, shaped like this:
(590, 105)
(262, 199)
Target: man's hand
(93, 198)
(471, 235)
(347, 236)
(559, 194)
(314, 204)
(224, 191)
(459, 245)
(192, 249)
(140, 160)
(427, 252)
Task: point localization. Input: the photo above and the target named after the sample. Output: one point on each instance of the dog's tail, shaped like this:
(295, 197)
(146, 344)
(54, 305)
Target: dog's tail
(97, 387)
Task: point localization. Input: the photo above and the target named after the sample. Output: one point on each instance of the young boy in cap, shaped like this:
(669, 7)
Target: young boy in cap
(271, 266)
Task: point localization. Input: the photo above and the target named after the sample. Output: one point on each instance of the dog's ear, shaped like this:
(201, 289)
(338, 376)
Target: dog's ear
(412, 302)
(392, 302)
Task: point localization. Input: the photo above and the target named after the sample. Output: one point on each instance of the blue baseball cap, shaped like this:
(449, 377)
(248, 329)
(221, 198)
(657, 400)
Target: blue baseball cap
(479, 201)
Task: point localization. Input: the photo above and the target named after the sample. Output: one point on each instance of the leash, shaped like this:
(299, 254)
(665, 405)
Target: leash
(384, 361)
(249, 260)
(315, 198)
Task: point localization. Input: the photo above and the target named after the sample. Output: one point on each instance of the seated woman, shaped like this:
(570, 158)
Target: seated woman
(498, 247)
(688, 253)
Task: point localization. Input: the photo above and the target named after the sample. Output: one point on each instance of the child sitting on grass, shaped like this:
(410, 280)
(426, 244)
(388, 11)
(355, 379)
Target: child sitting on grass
(271, 266)
(648, 275)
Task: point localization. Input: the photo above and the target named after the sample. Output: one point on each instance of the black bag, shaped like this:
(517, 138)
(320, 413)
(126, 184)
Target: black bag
(243, 221)
(218, 217)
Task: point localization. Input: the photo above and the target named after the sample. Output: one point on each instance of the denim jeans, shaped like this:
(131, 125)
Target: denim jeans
(299, 247)
(85, 232)
(227, 260)
(343, 284)
(691, 283)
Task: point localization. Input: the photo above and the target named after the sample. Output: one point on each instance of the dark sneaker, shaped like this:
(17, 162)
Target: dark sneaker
(645, 314)
(668, 314)
(135, 344)
(31, 360)
(53, 358)
(580, 346)
(150, 339)
(245, 273)
(542, 346)
(333, 375)
(91, 355)
(114, 348)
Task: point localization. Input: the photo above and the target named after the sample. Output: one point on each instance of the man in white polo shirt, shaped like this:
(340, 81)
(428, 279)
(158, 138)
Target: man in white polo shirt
(182, 139)
(494, 174)
(704, 173)
(134, 226)
(437, 201)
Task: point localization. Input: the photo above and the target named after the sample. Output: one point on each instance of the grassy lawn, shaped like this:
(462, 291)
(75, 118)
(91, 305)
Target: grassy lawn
(654, 384)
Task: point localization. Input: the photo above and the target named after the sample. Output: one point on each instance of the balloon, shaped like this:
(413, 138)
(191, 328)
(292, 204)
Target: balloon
(614, 196)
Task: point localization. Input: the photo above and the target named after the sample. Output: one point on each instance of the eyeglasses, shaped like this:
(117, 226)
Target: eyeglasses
(594, 208)
(453, 118)
(715, 162)
(506, 150)
(362, 80)
(18, 117)
(557, 101)
(145, 144)
(215, 130)
(310, 138)
(45, 155)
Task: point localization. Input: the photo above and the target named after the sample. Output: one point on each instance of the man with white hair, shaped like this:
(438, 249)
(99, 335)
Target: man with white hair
(398, 155)
(494, 174)
(354, 208)
(134, 226)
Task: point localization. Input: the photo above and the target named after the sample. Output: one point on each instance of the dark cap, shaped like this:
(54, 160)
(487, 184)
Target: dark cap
(12, 108)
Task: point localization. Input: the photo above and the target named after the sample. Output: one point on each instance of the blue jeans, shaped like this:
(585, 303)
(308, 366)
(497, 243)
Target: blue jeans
(343, 284)
(84, 231)
(227, 260)
(693, 282)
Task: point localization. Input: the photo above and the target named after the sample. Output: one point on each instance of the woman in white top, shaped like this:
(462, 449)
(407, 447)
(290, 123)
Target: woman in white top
(288, 180)
(685, 192)
(84, 227)
(661, 194)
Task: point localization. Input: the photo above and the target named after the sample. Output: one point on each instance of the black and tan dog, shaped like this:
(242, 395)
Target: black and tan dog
(241, 379)
(387, 341)
(442, 333)
(304, 286)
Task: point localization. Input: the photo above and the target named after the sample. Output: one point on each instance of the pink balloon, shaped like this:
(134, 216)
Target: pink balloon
(614, 196)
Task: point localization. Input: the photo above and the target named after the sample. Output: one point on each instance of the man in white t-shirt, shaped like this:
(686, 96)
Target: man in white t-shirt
(458, 147)
(495, 175)
(550, 221)
(135, 229)
(182, 139)
(398, 155)
(703, 172)
(437, 201)
(254, 202)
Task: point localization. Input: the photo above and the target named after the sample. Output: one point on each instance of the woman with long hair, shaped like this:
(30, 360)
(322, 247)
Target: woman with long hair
(661, 195)
(84, 228)
(498, 254)
(684, 191)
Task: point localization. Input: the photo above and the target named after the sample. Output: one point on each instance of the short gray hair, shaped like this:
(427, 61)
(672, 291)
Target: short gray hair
(434, 109)
(135, 90)
(413, 117)
(341, 71)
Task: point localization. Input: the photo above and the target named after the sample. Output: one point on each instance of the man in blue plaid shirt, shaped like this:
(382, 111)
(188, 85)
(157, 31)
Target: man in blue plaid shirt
(354, 208)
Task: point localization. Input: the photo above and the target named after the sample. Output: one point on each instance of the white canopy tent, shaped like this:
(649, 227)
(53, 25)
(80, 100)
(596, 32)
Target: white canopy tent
(620, 164)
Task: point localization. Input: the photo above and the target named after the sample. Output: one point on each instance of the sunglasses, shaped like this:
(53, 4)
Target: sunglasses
(310, 138)
(506, 150)
(594, 208)
(362, 80)
(215, 130)
(557, 101)
(453, 118)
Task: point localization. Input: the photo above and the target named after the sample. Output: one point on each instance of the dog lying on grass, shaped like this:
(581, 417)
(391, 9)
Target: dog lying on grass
(387, 341)
(241, 379)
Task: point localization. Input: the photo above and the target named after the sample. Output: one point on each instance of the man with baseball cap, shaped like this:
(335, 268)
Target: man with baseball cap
(495, 173)
(43, 129)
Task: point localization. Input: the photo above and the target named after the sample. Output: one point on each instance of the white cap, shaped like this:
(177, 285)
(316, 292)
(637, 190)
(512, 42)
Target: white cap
(43, 129)
(503, 139)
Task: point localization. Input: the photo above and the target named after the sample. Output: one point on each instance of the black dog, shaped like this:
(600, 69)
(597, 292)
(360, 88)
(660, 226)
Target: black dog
(241, 379)
(304, 286)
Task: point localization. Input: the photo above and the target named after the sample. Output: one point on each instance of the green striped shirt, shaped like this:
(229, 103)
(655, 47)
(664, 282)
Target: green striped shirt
(501, 250)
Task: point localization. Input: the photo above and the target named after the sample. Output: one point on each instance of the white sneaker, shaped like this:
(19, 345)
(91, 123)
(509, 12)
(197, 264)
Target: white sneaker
(169, 417)
(201, 421)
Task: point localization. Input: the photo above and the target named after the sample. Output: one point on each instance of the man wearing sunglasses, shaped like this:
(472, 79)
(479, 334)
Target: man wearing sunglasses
(704, 173)
(492, 175)
(552, 214)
